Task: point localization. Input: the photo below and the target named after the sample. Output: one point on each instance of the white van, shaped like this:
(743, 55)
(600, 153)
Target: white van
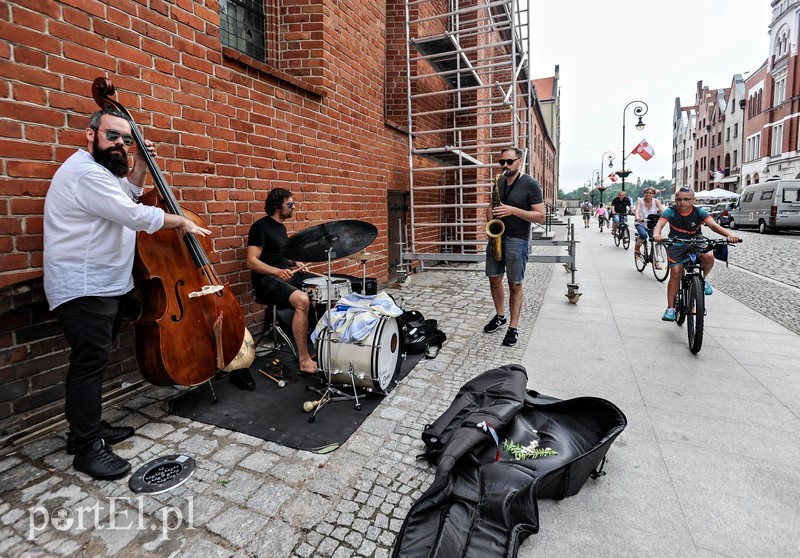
(770, 206)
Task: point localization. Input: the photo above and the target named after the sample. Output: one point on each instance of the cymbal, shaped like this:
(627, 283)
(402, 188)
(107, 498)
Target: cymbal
(365, 256)
(341, 238)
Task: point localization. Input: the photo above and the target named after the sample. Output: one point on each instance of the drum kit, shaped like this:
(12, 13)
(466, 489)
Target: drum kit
(371, 364)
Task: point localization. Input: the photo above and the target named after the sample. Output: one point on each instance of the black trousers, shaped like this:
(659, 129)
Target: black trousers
(90, 324)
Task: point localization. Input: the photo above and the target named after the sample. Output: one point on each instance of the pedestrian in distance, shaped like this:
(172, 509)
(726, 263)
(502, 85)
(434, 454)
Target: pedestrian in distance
(519, 204)
(91, 216)
(685, 222)
(586, 210)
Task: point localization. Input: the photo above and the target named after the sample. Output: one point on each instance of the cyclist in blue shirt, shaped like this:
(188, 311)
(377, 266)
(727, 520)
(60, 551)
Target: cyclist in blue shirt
(685, 221)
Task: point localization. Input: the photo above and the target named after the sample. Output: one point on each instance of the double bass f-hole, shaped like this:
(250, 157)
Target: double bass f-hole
(182, 338)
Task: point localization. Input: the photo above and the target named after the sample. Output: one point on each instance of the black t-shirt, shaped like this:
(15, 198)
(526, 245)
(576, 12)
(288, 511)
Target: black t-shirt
(270, 236)
(524, 193)
(621, 205)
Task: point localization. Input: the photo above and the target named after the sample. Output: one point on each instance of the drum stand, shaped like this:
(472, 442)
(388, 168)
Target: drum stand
(332, 394)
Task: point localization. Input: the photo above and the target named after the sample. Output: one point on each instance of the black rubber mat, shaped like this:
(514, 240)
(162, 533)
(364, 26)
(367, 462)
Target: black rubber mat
(276, 413)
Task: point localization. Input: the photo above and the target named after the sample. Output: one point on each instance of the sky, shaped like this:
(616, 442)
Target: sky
(616, 51)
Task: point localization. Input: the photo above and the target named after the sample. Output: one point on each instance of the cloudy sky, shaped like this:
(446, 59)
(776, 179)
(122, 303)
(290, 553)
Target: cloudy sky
(616, 51)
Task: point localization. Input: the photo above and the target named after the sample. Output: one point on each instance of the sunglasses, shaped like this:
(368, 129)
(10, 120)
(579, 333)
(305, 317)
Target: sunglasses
(684, 199)
(290, 205)
(509, 162)
(112, 135)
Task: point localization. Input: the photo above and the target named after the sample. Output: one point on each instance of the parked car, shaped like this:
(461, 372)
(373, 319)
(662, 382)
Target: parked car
(706, 206)
(722, 213)
(770, 206)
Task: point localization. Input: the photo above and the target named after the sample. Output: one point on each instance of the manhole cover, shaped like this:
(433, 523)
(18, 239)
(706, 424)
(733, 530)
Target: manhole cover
(162, 474)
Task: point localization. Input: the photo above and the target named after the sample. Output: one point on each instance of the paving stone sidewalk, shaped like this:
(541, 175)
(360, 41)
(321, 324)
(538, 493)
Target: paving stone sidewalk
(249, 497)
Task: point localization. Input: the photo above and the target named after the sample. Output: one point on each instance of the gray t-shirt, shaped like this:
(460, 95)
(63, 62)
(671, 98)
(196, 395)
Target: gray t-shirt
(524, 193)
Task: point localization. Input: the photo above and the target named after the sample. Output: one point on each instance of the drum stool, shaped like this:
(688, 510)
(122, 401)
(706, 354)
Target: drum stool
(279, 319)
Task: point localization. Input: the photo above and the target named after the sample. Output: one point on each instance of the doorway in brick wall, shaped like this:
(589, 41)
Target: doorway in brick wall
(398, 209)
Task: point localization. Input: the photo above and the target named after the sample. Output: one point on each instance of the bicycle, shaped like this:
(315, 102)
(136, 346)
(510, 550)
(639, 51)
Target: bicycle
(601, 220)
(690, 302)
(623, 233)
(652, 253)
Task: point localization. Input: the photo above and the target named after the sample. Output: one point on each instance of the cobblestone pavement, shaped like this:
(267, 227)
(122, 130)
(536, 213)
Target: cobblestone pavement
(753, 262)
(254, 498)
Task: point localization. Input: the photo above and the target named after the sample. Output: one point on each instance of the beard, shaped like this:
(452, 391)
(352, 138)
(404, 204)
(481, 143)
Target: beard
(113, 158)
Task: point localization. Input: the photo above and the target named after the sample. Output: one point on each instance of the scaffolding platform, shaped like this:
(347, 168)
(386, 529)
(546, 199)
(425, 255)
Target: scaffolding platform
(447, 155)
(446, 56)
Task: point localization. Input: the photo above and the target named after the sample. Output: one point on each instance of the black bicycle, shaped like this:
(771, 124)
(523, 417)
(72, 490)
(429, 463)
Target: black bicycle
(690, 302)
(623, 234)
(652, 253)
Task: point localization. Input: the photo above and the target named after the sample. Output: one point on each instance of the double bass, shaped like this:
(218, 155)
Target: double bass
(191, 324)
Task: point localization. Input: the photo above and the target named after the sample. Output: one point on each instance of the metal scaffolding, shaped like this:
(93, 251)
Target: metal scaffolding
(468, 96)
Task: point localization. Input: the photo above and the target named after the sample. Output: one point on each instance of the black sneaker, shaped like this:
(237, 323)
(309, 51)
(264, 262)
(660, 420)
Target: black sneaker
(99, 462)
(111, 434)
(511, 337)
(495, 323)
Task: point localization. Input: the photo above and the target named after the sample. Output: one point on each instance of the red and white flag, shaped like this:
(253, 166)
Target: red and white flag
(612, 177)
(644, 149)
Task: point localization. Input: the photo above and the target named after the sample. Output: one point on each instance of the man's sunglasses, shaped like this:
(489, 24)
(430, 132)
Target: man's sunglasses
(684, 199)
(290, 205)
(508, 162)
(112, 135)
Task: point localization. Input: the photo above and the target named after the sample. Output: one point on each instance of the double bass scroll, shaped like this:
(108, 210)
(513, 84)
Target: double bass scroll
(191, 324)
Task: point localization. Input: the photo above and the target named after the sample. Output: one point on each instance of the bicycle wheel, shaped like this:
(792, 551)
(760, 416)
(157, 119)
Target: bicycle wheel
(626, 238)
(680, 306)
(659, 261)
(617, 236)
(640, 258)
(695, 312)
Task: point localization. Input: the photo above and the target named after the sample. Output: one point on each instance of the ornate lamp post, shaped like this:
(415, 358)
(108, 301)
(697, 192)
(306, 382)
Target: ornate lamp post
(639, 109)
(611, 158)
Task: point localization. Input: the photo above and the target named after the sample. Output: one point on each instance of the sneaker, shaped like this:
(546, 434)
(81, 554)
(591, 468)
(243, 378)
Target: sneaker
(99, 462)
(669, 315)
(708, 290)
(511, 337)
(495, 323)
(111, 434)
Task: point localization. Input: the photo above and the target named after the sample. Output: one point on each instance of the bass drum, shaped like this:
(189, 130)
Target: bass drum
(376, 359)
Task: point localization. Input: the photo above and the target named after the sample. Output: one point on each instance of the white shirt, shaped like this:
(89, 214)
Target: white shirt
(90, 223)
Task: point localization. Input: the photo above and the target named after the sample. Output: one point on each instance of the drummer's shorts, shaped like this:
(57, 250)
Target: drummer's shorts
(275, 290)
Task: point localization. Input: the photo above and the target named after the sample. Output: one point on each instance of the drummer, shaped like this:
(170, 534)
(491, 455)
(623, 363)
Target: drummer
(276, 278)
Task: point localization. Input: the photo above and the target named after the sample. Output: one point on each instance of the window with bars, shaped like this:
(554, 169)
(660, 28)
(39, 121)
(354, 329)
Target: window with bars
(242, 26)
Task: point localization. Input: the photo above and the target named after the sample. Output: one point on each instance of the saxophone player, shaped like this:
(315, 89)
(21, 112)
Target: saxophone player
(520, 204)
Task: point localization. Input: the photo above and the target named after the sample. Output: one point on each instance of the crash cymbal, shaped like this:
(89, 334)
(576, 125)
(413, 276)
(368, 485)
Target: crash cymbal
(365, 256)
(342, 238)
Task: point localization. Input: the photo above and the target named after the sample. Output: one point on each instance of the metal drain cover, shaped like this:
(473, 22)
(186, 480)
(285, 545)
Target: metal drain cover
(162, 474)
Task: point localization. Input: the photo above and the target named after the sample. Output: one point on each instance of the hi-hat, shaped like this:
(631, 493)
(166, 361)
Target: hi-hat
(365, 256)
(342, 238)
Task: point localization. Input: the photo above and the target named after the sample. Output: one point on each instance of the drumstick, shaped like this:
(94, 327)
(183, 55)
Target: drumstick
(304, 268)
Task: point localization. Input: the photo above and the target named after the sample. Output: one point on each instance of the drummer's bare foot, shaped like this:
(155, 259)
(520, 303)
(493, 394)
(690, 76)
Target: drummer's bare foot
(308, 366)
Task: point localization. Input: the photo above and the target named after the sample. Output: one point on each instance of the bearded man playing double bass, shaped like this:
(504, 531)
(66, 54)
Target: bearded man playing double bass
(91, 216)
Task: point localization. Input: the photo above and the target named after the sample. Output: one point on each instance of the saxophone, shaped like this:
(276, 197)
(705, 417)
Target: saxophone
(495, 228)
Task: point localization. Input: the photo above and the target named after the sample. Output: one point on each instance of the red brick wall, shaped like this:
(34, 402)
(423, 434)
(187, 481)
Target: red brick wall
(227, 130)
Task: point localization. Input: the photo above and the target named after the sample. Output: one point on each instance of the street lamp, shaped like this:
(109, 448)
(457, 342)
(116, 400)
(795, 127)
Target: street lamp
(611, 158)
(640, 109)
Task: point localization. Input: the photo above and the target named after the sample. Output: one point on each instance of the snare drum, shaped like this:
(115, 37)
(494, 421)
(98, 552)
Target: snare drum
(317, 289)
(376, 359)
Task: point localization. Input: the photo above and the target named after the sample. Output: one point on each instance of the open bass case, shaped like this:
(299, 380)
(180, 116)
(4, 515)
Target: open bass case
(482, 501)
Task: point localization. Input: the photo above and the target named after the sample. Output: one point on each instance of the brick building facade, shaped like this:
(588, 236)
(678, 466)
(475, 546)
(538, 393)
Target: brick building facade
(311, 98)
